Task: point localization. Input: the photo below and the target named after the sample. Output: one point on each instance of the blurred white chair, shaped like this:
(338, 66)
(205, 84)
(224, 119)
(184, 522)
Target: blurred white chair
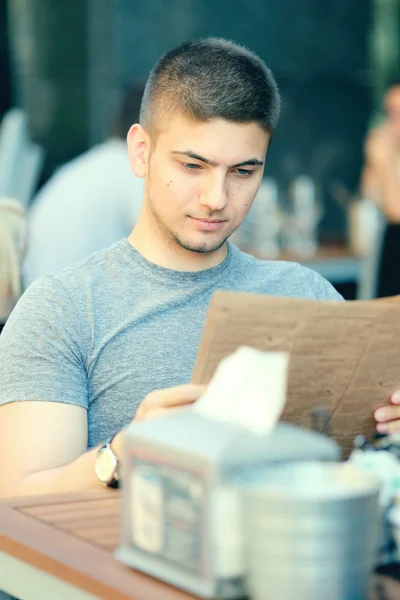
(21, 160)
(13, 241)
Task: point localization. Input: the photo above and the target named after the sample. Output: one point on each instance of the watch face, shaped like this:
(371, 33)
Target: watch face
(106, 465)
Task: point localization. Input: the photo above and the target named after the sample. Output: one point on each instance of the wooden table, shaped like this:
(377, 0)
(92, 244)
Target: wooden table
(60, 547)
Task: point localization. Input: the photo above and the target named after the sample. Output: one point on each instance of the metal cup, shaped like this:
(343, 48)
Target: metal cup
(311, 531)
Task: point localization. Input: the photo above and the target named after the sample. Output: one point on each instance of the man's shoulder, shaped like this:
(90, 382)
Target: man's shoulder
(271, 267)
(286, 278)
(90, 272)
(95, 263)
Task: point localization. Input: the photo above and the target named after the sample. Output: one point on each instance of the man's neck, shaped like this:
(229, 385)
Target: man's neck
(155, 246)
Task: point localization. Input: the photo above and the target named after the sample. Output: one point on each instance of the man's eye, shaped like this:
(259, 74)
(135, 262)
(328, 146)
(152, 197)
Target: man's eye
(245, 172)
(191, 166)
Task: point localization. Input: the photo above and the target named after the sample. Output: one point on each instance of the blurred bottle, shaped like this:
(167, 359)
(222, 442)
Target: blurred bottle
(365, 224)
(265, 221)
(300, 234)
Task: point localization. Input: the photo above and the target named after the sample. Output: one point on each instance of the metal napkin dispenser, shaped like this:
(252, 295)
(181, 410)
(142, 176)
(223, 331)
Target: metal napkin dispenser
(180, 518)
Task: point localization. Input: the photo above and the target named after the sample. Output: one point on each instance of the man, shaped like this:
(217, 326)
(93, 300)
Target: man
(115, 338)
(89, 203)
(381, 183)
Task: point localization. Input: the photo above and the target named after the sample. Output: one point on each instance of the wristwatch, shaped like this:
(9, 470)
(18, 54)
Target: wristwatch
(107, 464)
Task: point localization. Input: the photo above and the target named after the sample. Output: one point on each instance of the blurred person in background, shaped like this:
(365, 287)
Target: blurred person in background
(12, 249)
(381, 184)
(88, 204)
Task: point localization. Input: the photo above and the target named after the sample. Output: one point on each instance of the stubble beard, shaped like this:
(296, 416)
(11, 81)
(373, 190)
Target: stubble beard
(175, 237)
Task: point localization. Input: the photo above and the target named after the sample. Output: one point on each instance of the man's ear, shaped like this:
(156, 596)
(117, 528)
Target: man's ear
(139, 149)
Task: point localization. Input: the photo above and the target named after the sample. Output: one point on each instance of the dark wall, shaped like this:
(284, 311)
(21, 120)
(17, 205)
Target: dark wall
(48, 47)
(71, 59)
(5, 96)
(318, 51)
(294, 36)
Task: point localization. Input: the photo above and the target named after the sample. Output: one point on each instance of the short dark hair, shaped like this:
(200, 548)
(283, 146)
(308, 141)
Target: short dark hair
(212, 78)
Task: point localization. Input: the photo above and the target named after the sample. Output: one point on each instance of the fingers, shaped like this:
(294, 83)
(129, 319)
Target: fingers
(395, 397)
(388, 419)
(388, 428)
(160, 401)
(181, 394)
(158, 412)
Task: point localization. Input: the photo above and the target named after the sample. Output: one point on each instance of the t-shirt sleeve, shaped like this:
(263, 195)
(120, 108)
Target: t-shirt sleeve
(321, 289)
(42, 348)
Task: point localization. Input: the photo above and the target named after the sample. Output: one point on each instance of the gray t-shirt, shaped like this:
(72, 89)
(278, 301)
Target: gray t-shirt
(105, 333)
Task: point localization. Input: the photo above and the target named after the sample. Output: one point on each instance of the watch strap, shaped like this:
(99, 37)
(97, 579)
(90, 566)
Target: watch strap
(114, 482)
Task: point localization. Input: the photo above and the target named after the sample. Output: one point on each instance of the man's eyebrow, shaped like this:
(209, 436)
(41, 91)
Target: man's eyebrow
(191, 154)
(251, 161)
(254, 162)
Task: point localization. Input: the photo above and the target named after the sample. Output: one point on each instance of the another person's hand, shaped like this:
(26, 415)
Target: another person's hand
(388, 416)
(382, 146)
(161, 402)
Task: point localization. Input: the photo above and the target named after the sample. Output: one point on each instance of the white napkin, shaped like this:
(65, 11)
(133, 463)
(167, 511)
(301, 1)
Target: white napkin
(248, 389)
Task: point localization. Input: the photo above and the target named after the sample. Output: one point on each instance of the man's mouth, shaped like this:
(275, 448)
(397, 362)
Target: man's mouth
(208, 224)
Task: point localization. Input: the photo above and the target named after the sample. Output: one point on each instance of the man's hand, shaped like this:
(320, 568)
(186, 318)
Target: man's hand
(381, 147)
(388, 417)
(160, 402)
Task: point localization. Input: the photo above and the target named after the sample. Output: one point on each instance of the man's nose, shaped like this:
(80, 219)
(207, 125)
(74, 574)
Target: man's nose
(215, 197)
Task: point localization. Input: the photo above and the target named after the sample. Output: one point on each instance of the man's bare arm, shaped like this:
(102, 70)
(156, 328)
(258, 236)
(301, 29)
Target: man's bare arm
(43, 445)
(389, 185)
(43, 449)
(381, 177)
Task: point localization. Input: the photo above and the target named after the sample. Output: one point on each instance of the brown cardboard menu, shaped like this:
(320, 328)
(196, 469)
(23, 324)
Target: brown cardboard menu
(344, 356)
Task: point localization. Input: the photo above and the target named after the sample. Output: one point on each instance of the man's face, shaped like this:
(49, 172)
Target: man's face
(202, 179)
(392, 105)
